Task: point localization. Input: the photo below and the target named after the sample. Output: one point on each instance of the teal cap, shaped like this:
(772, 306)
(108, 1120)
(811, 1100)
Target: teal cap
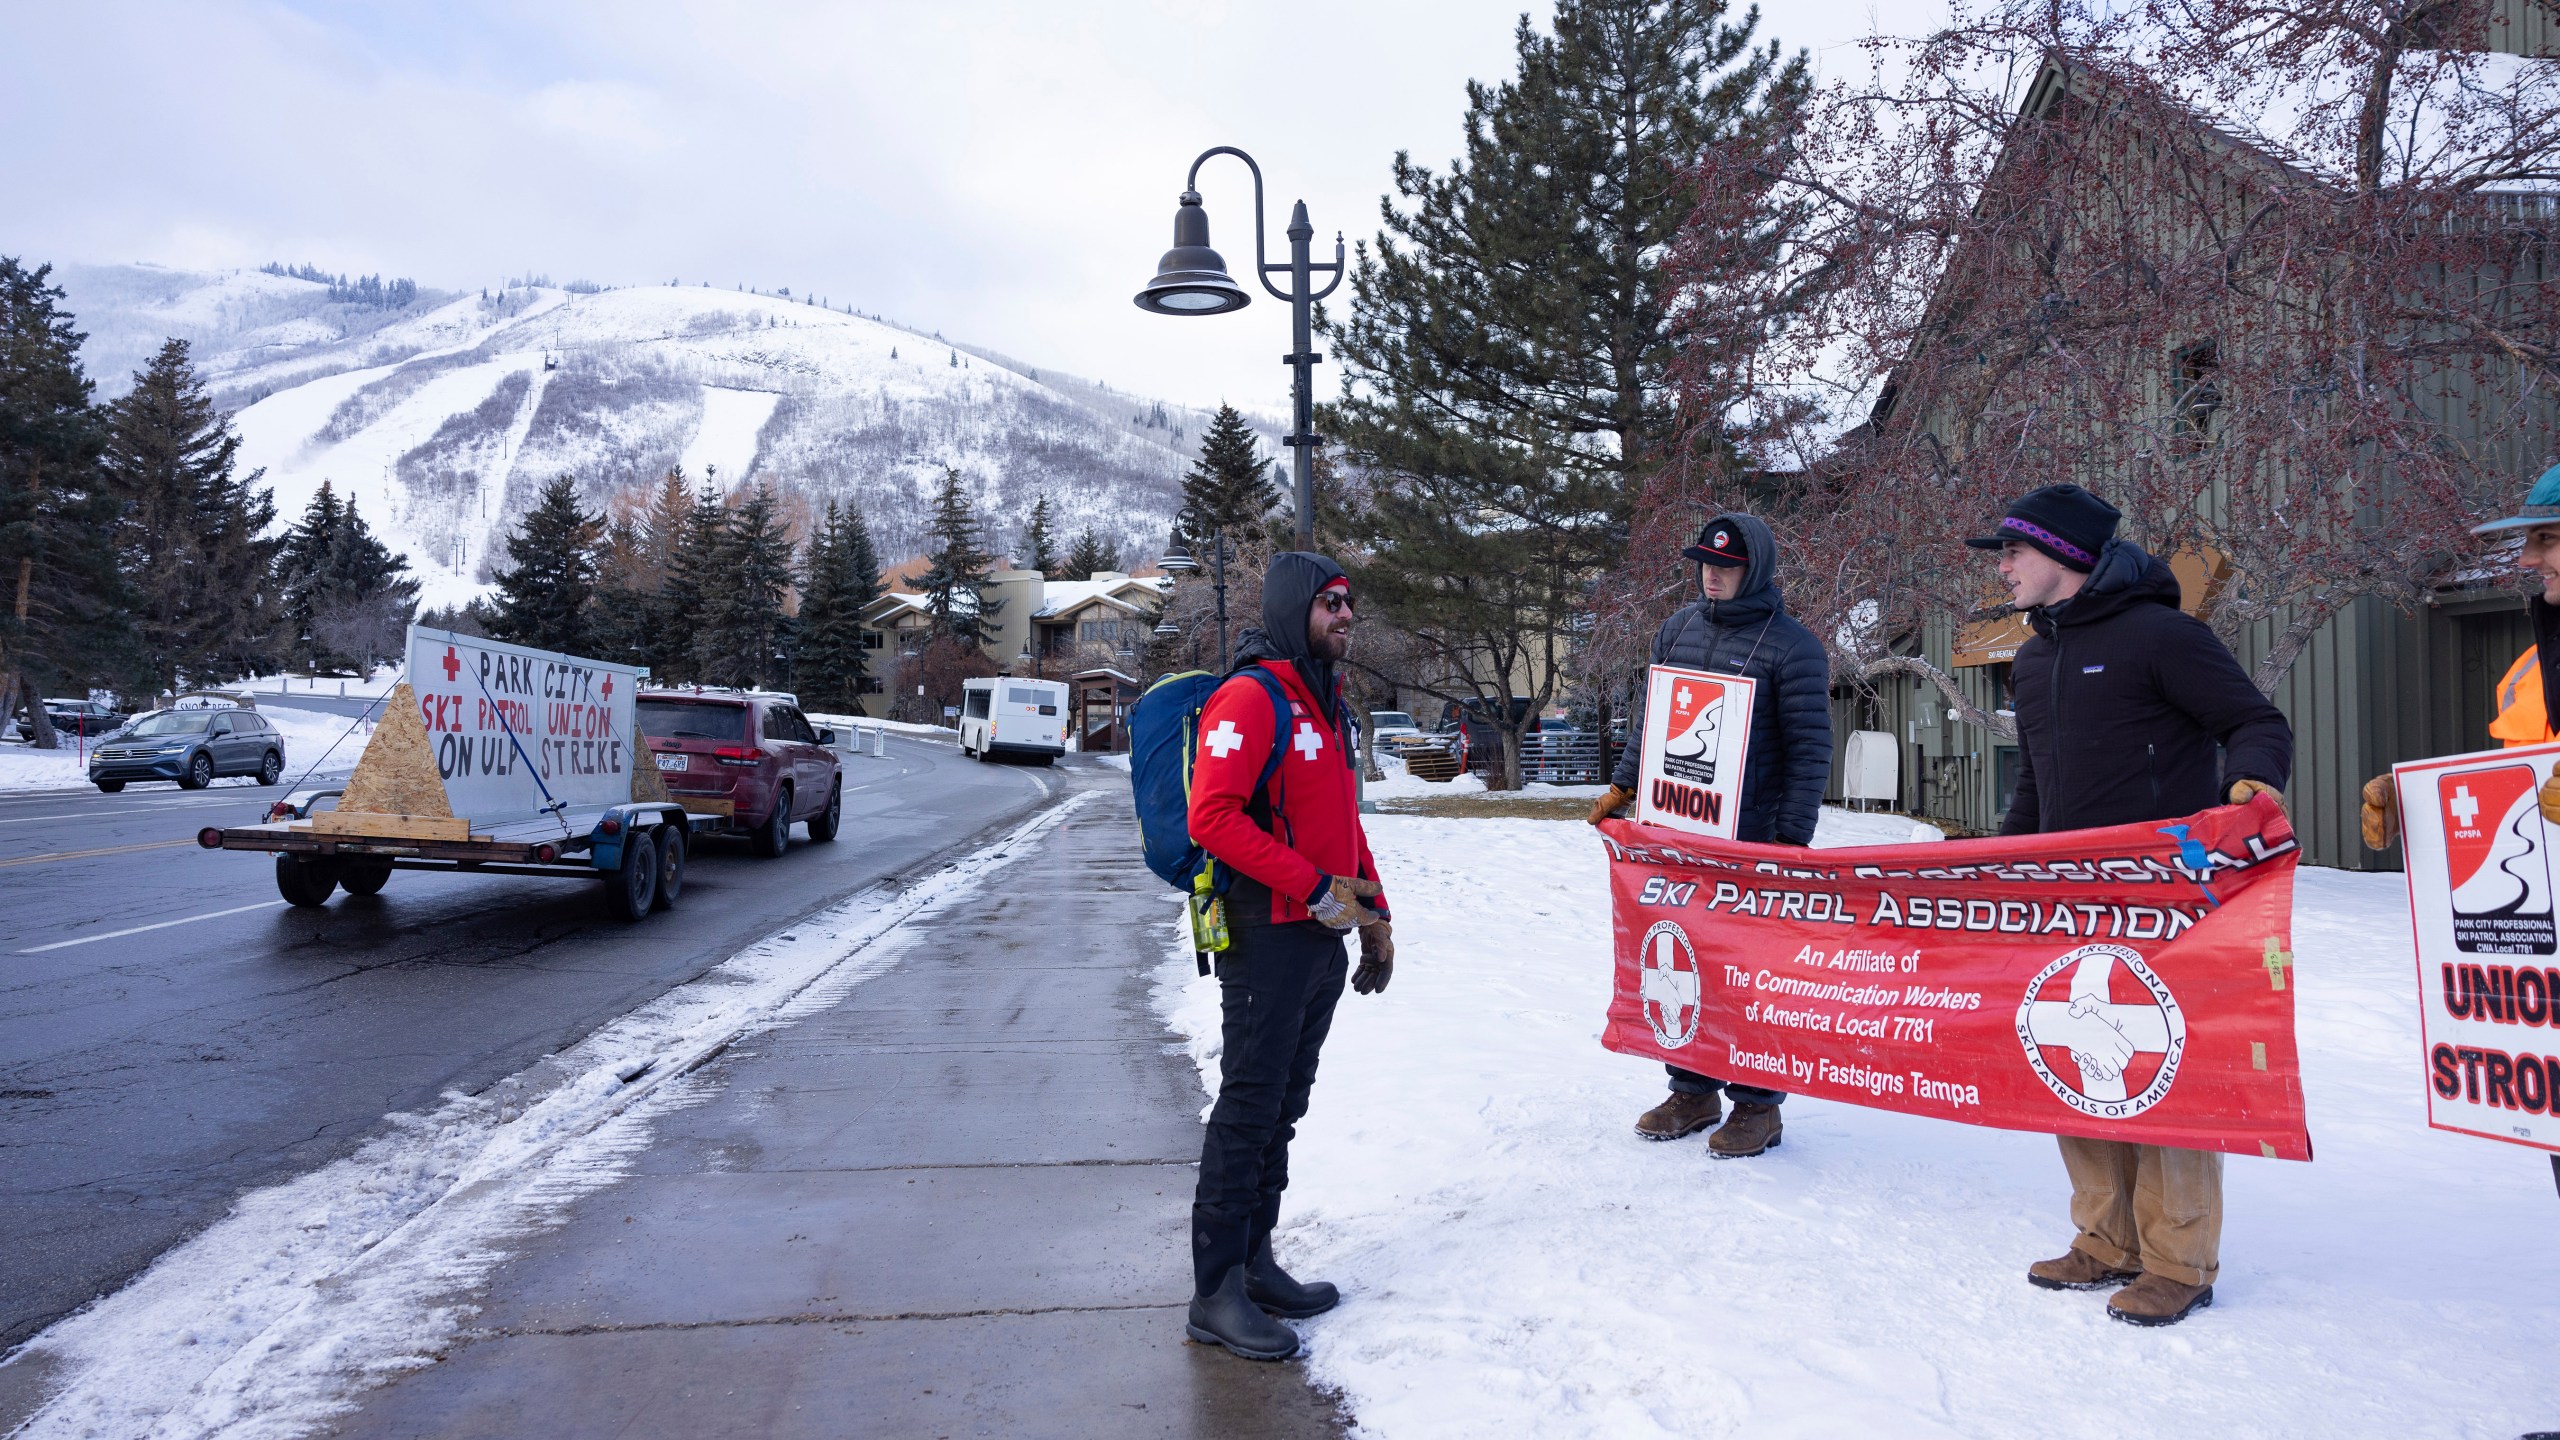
(2541, 507)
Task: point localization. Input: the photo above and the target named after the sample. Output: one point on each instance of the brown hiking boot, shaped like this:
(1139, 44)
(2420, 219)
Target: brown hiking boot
(1682, 1114)
(2157, 1300)
(2077, 1270)
(1752, 1129)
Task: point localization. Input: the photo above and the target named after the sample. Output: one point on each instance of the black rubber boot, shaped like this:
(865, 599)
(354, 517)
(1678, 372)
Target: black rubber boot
(1270, 1287)
(1226, 1317)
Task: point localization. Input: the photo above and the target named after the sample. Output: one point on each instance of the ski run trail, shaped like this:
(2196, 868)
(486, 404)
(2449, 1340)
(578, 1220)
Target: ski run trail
(279, 1316)
(1515, 1261)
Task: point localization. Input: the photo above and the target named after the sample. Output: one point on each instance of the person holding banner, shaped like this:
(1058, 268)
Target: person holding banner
(1304, 878)
(2122, 699)
(1739, 625)
(2528, 694)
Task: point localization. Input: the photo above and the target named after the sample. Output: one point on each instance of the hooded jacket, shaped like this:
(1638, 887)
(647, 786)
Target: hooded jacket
(1305, 828)
(1753, 635)
(2122, 699)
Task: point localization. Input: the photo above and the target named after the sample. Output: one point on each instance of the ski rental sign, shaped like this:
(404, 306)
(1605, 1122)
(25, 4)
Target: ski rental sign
(511, 725)
(2481, 880)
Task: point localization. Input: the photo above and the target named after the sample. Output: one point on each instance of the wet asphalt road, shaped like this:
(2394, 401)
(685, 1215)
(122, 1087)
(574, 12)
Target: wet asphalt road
(172, 1034)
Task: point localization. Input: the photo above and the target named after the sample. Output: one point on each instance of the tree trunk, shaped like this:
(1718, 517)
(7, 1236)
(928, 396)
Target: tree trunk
(1508, 773)
(40, 731)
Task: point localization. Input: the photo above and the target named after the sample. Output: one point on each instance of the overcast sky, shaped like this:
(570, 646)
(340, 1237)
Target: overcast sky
(1004, 173)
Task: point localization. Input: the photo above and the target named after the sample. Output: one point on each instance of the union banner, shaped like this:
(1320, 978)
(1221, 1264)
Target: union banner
(2130, 983)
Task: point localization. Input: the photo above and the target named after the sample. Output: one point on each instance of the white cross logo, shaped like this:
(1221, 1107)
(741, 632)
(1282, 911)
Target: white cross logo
(2102, 1035)
(1684, 694)
(1669, 991)
(1224, 740)
(2465, 806)
(1309, 743)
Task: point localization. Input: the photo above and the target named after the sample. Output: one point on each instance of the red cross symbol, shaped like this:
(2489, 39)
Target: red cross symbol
(608, 688)
(452, 666)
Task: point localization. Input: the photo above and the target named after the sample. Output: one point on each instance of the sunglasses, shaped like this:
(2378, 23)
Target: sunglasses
(1335, 602)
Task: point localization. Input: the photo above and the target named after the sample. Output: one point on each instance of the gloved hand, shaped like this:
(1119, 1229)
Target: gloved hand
(1377, 959)
(1338, 903)
(2380, 813)
(2549, 798)
(1616, 799)
(2244, 791)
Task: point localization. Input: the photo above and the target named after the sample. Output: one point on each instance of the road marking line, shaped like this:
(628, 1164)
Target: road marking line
(22, 819)
(85, 854)
(163, 925)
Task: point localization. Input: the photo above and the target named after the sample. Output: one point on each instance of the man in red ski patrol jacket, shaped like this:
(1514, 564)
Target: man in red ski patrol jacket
(1303, 879)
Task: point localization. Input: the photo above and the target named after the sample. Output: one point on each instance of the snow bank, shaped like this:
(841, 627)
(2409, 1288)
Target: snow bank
(1515, 1261)
(274, 1319)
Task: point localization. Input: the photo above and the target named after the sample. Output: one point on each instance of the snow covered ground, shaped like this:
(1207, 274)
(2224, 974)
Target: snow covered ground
(316, 742)
(1515, 1261)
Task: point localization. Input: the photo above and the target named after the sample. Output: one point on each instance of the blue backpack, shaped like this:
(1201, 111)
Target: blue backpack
(1164, 735)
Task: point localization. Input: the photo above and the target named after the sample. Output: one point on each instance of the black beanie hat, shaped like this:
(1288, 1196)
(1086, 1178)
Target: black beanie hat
(2064, 521)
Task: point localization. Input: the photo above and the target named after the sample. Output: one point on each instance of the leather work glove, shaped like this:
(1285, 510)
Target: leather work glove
(1338, 903)
(2549, 798)
(1610, 803)
(1377, 959)
(2244, 791)
(2380, 813)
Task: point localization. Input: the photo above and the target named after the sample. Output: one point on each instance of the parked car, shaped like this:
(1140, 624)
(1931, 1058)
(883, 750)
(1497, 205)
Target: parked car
(751, 751)
(1391, 728)
(190, 747)
(82, 717)
(1006, 716)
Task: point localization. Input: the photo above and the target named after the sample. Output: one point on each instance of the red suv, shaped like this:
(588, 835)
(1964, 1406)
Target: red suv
(754, 752)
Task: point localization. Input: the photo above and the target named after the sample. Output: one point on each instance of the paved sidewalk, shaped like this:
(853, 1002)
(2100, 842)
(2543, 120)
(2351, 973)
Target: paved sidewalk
(956, 1203)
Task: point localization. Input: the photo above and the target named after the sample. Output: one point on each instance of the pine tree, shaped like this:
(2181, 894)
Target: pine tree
(543, 593)
(843, 578)
(953, 585)
(1091, 554)
(693, 578)
(190, 540)
(300, 564)
(346, 597)
(1040, 538)
(744, 633)
(1230, 487)
(63, 617)
(620, 615)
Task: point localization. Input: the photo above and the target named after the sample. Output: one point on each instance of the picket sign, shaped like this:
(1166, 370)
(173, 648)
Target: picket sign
(2478, 857)
(1697, 737)
(484, 734)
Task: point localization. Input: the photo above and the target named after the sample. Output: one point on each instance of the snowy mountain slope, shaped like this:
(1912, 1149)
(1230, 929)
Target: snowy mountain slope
(445, 419)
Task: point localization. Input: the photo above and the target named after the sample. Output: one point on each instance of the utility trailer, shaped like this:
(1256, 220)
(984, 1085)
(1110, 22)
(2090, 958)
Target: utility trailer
(537, 751)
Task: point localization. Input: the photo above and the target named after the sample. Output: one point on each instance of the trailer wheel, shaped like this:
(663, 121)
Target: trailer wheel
(365, 879)
(631, 890)
(824, 825)
(671, 849)
(305, 882)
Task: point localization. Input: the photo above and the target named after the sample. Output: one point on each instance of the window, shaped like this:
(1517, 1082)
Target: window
(1026, 695)
(692, 720)
(1099, 632)
(873, 640)
(2199, 396)
(869, 685)
(975, 706)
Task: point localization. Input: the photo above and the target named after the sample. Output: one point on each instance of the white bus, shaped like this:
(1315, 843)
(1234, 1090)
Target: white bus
(1006, 716)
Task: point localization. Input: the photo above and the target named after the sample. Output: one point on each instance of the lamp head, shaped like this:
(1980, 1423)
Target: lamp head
(1192, 279)
(1177, 560)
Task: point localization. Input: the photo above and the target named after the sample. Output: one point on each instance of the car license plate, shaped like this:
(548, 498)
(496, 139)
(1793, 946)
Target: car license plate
(674, 762)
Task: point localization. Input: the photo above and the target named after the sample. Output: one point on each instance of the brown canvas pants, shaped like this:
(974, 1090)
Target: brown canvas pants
(2147, 1207)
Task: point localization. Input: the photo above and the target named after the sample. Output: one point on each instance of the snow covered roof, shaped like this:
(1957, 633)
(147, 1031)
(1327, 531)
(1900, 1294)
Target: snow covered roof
(1057, 597)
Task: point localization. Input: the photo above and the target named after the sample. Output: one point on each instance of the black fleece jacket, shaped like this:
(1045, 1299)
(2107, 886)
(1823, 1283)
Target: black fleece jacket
(2122, 699)
(1752, 634)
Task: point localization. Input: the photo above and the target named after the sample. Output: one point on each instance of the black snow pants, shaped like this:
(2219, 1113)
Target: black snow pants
(1278, 985)
(1690, 1082)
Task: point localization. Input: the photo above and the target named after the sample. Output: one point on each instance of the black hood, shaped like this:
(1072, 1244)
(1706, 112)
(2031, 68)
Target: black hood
(1758, 599)
(1288, 588)
(2126, 575)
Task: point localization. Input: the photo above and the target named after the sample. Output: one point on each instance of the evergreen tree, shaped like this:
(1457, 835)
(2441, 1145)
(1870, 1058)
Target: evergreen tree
(346, 597)
(63, 617)
(843, 578)
(693, 578)
(550, 577)
(300, 564)
(744, 635)
(189, 539)
(959, 566)
(1040, 538)
(1230, 486)
(621, 614)
(1510, 337)
(1091, 554)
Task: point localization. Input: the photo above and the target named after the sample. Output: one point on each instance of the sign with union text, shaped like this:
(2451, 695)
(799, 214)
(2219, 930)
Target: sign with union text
(1697, 735)
(2129, 983)
(2478, 856)
(500, 716)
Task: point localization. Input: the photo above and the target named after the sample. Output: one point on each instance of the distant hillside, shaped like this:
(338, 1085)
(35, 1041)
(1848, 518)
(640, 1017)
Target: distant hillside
(445, 417)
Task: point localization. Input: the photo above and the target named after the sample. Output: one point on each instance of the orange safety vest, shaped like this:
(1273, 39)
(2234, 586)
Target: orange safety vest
(2522, 718)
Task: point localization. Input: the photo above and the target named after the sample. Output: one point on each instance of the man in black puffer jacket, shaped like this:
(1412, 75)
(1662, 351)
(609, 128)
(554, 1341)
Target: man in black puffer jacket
(2122, 700)
(1740, 626)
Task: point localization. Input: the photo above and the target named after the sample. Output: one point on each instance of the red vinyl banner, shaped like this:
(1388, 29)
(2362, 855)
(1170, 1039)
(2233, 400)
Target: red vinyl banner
(2130, 983)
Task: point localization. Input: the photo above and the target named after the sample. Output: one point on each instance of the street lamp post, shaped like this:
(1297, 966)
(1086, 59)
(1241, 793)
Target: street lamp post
(1192, 279)
(1178, 560)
